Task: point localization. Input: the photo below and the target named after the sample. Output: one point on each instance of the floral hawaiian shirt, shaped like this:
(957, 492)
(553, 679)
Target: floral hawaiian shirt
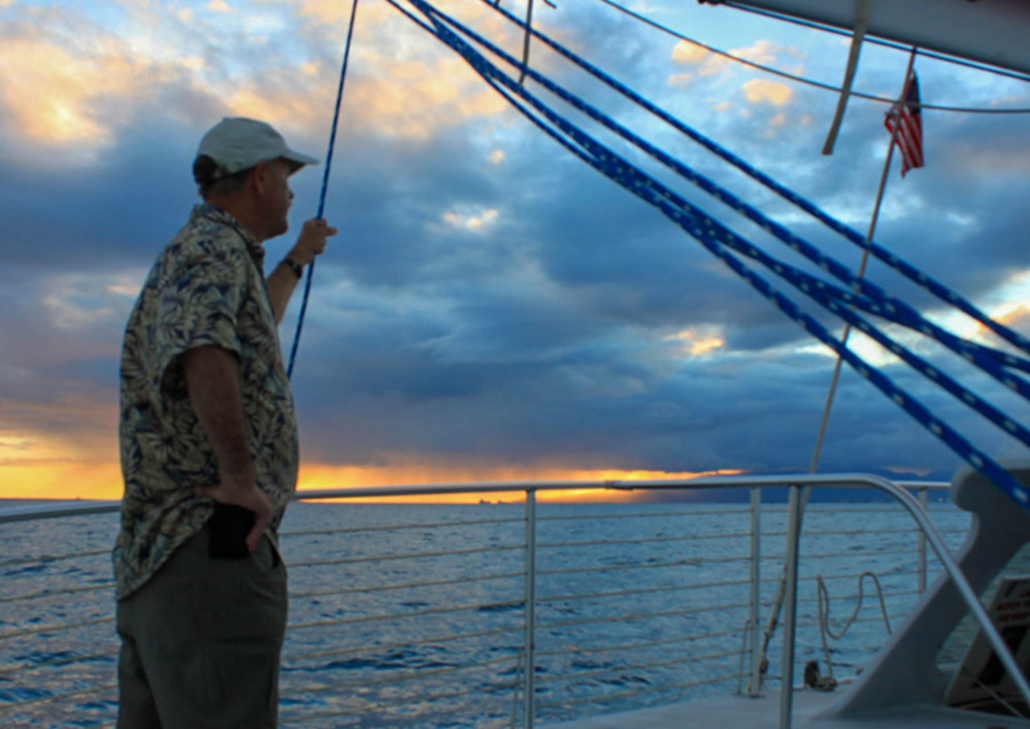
(206, 288)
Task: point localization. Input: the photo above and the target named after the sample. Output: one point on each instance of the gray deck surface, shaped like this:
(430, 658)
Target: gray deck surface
(734, 712)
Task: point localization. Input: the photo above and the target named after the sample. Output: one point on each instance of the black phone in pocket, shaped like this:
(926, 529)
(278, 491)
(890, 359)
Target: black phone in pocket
(229, 528)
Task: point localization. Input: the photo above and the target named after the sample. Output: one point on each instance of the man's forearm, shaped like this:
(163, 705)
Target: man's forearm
(281, 283)
(212, 379)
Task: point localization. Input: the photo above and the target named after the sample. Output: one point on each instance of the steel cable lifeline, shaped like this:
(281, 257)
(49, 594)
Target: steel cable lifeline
(714, 237)
(325, 187)
(906, 269)
(819, 84)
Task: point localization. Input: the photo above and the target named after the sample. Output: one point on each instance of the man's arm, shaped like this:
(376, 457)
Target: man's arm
(282, 281)
(212, 380)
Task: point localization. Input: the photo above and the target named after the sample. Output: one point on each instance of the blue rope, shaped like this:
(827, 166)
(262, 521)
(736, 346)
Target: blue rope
(325, 188)
(899, 264)
(653, 192)
(713, 235)
(834, 267)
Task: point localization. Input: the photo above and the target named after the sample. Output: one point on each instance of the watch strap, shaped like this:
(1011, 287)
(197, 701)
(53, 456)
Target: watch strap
(294, 266)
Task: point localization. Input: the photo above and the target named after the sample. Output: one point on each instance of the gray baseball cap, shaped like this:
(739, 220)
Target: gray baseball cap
(237, 143)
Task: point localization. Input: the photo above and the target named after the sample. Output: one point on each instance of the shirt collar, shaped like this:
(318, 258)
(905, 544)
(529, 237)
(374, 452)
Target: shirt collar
(217, 215)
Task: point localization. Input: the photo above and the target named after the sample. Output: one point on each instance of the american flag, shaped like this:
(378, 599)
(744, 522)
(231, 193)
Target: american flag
(909, 120)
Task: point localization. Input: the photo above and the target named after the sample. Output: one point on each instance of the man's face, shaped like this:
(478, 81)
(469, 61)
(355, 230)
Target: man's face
(276, 196)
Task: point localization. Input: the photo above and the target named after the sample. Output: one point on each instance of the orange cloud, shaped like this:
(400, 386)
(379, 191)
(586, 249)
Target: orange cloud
(416, 98)
(56, 95)
(47, 91)
(705, 62)
(696, 343)
(412, 99)
(760, 90)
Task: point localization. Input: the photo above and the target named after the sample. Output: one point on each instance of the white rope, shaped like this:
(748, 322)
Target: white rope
(828, 682)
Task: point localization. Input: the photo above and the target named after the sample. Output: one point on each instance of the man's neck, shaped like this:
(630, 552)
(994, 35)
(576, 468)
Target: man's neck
(244, 212)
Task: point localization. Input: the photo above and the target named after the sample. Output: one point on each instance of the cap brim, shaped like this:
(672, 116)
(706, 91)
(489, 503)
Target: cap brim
(298, 160)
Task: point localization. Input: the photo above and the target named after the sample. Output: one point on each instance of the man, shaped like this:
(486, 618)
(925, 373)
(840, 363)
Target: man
(208, 445)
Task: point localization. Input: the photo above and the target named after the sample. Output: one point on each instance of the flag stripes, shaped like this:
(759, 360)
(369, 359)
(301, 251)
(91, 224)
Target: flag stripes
(908, 118)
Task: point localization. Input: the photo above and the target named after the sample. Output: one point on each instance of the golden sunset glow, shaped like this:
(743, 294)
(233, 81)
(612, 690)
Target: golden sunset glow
(42, 472)
(316, 477)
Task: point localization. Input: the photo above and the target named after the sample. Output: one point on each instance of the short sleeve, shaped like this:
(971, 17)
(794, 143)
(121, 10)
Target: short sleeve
(198, 307)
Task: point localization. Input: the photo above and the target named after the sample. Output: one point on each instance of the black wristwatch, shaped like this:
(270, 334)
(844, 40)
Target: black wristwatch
(294, 266)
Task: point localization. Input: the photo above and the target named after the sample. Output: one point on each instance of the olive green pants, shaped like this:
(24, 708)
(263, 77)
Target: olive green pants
(201, 642)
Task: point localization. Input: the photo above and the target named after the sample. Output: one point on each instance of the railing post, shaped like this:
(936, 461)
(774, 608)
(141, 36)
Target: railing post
(529, 663)
(790, 606)
(755, 682)
(922, 545)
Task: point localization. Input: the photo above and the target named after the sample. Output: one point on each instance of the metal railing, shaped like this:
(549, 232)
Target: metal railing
(580, 644)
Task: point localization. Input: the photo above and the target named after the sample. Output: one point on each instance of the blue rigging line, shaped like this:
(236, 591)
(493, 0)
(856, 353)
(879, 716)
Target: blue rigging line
(713, 235)
(325, 187)
(799, 245)
(895, 262)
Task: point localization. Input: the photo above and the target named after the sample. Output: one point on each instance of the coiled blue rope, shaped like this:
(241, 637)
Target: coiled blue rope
(325, 187)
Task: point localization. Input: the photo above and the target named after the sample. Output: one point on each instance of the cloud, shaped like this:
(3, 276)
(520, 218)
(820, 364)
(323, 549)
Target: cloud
(757, 91)
(706, 63)
(697, 343)
(71, 87)
(49, 92)
(473, 221)
(686, 52)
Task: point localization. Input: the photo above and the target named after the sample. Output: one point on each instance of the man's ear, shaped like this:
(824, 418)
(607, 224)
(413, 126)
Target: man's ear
(259, 177)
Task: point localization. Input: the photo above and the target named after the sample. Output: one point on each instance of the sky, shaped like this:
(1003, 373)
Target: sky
(492, 308)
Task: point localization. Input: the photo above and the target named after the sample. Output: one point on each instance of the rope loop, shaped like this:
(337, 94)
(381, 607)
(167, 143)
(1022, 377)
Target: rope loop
(823, 607)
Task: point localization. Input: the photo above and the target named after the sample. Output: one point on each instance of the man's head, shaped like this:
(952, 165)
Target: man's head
(243, 164)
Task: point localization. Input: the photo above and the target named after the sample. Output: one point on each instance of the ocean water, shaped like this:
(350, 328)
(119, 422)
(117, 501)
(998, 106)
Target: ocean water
(412, 615)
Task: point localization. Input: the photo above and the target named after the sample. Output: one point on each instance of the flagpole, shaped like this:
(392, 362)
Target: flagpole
(806, 492)
(814, 465)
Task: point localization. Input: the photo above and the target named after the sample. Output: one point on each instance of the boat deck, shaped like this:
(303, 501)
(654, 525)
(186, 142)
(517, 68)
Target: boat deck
(764, 713)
